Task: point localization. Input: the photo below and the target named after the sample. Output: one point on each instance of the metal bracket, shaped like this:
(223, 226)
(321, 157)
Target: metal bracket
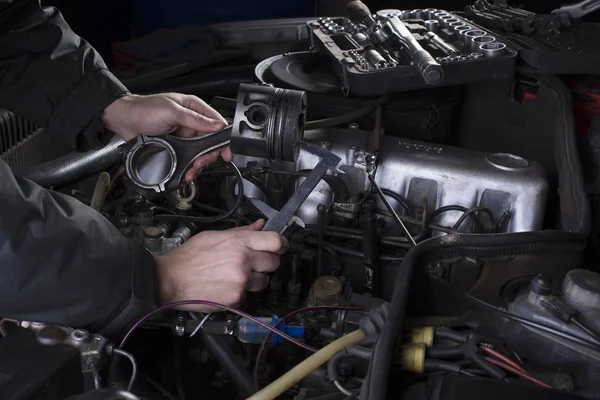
(93, 347)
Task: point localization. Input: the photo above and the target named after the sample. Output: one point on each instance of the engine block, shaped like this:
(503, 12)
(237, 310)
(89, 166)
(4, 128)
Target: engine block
(512, 188)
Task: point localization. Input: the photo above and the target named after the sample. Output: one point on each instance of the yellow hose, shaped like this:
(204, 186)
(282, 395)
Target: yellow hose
(301, 370)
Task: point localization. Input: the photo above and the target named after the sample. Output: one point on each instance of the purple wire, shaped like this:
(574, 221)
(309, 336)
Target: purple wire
(284, 319)
(216, 305)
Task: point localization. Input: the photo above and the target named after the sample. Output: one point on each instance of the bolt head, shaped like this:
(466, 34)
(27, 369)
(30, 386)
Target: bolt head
(79, 334)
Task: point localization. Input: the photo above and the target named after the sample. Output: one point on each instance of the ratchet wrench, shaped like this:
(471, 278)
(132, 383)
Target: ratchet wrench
(579, 9)
(431, 71)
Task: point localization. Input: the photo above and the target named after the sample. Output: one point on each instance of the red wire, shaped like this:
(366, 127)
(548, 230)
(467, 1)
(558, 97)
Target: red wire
(504, 358)
(518, 372)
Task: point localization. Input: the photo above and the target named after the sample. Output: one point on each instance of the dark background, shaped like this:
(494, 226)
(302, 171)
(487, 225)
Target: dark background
(103, 22)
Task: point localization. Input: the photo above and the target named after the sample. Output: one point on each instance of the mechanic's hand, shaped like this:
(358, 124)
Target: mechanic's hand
(219, 266)
(161, 114)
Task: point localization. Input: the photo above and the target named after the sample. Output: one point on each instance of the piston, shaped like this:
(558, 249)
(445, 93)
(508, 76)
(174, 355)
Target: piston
(268, 123)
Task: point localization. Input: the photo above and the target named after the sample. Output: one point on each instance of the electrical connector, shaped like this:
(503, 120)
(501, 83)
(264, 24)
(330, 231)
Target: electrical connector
(412, 358)
(250, 332)
(423, 335)
(559, 309)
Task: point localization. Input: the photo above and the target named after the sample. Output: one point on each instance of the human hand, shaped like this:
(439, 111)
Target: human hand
(161, 114)
(219, 266)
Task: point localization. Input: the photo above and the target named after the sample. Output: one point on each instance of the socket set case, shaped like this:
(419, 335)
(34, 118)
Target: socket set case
(555, 43)
(370, 64)
(572, 52)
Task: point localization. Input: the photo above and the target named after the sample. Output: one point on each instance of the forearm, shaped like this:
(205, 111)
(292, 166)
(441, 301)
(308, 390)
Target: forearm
(50, 75)
(64, 263)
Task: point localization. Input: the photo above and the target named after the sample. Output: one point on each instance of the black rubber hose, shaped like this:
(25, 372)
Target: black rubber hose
(235, 218)
(451, 335)
(365, 302)
(355, 234)
(441, 366)
(465, 210)
(574, 202)
(210, 220)
(352, 252)
(490, 369)
(335, 256)
(399, 199)
(446, 352)
(473, 211)
(352, 116)
(492, 245)
(229, 361)
(360, 352)
(75, 166)
(335, 233)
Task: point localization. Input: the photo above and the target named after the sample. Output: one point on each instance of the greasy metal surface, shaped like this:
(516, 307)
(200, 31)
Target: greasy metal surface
(391, 209)
(165, 169)
(93, 347)
(328, 161)
(162, 244)
(268, 122)
(446, 175)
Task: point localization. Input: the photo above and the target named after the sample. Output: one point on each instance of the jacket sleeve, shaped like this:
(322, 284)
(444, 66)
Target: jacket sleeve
(62, 262)
(50, 75)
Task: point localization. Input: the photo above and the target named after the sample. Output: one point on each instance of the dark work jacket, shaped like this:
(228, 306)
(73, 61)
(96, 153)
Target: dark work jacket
(60, 261)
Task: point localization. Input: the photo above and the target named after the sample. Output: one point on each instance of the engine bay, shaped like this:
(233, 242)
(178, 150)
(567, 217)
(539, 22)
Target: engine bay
(442, 257)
